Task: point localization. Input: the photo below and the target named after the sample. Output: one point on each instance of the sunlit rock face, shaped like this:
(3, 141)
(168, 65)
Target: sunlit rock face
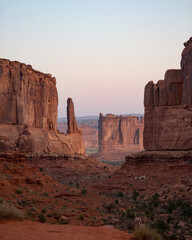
(27, 96)
(120, 133)
(28, 111)
(168, 108)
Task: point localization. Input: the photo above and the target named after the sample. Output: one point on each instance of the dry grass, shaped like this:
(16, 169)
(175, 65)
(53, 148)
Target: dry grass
(10, 212)
(146, 233)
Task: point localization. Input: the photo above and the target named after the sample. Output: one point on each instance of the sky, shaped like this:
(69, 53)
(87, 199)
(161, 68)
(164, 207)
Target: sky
(102, 52)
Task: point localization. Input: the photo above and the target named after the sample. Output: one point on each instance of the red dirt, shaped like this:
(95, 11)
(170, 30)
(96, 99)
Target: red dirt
(28, 230)
(42, 192)
(54, 188)
(169, 177)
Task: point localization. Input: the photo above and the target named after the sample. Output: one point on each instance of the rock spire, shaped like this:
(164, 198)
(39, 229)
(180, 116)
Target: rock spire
(71, 120)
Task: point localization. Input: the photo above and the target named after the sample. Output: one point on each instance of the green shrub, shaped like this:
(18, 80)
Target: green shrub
(43, 210)
(160, 225)
(81, 217)
(42, 218)
(149, 213)
(18, 191)
(135, 195)
(146, 233)
(23, 203)
(84, 191)
(109, 207)
(10, 212)
(130, 214)
(169, 219)
(148, 210)
(155, 200)
(120, 194)
(171, 206)
(186, 209)
(173, 237)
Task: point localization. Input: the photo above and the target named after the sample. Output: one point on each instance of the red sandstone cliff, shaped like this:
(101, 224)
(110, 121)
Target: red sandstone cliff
(27, 96)
(120, 133)
(168, 108)
(28, 112)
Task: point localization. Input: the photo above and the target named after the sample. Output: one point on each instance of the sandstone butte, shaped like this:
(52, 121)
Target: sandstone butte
(28, 113)
(168, 108)
(120, 133)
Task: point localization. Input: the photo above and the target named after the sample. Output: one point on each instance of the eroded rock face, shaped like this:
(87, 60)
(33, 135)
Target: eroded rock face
(186, 66)
(26, 141)
(120, 134)
(28, 112)
(168, 108)
(27, 96)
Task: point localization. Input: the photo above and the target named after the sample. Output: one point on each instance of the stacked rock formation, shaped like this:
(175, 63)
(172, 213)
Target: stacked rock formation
(120, 133)
(28, 112)
(168, 108)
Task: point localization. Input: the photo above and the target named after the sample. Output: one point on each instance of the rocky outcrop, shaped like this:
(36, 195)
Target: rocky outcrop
(120, 133)
(71, 120)
(28, 112)
(168, 108)
(26, 141)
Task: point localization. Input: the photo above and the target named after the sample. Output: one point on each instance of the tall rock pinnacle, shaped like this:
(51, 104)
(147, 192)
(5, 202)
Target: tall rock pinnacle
(71, 120)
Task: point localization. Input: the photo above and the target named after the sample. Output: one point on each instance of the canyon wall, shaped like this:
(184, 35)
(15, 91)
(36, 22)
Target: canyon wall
(28, 112)
(168, 108)
(120, 133)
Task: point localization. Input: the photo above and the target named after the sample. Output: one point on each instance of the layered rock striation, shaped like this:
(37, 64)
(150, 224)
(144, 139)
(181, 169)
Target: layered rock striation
(120, 133)
(28, 112)
(168, 108)
(27, 96)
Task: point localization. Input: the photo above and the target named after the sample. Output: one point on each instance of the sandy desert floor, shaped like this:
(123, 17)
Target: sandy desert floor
(27, 230)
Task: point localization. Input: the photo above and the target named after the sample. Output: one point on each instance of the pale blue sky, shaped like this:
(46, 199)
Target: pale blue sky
(102, 52)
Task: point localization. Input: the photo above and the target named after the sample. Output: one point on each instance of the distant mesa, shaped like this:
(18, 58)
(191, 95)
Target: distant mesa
(28, 112)
(168, 108)
(120, 133)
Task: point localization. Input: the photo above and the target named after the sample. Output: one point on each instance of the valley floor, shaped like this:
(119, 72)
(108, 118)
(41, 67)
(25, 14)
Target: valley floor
(150, 188)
